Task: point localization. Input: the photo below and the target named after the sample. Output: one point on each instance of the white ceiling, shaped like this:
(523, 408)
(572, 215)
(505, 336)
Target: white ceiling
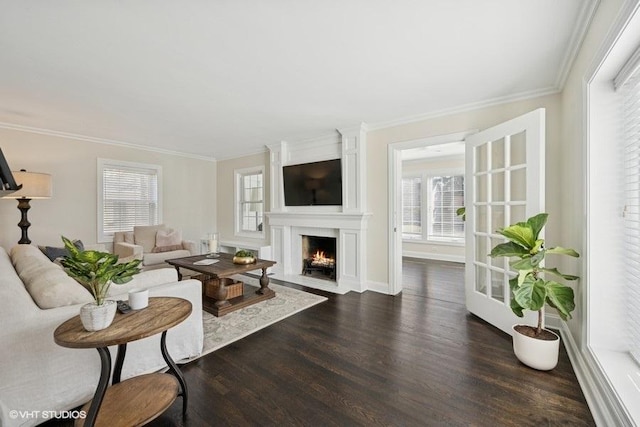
(450, 149)
(224, 78)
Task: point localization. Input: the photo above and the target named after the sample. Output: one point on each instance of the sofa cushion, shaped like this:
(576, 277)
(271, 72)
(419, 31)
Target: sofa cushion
(47, 283)
(145, 236)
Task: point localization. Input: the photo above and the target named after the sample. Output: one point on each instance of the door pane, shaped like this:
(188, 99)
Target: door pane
(518, 149)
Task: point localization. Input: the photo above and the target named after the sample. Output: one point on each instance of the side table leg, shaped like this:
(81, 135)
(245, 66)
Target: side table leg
(264, 283)
(117, 370)
(105, 373)
(175, 371)
(179, 274)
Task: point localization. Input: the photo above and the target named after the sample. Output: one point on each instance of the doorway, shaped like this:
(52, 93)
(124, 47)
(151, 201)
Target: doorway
(430, 173)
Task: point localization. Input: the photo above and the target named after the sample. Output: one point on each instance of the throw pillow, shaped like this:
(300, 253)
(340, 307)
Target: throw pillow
(53, 252)
(168, 240)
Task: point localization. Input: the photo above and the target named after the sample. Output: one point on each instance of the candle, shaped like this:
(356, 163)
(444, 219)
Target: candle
(213, 245)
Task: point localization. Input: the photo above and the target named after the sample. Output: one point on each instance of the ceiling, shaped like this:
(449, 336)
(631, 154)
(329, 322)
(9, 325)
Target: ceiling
(449, 149)
(222, 79)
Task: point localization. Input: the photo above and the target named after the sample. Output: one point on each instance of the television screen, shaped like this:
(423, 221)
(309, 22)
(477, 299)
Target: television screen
(7, 182)
(313, 184)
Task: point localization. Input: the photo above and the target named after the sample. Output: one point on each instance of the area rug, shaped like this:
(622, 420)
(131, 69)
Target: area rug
(221, 331)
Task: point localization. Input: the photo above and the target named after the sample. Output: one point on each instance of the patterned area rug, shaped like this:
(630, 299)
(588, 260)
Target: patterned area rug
(220, 331)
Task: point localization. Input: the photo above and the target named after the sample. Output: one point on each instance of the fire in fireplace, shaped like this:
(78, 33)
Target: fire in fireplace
(319, 257)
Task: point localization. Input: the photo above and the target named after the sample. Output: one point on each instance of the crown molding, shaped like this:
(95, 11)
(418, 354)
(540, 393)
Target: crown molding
(464, 108)
(95, 140)
(585, 17)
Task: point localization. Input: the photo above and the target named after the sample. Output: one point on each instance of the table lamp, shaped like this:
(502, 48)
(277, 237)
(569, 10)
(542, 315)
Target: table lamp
(34, 186)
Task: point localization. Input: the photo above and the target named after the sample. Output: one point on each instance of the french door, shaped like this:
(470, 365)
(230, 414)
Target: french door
(504, 184)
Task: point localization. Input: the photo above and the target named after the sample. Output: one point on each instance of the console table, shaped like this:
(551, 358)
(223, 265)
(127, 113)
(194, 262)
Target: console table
(140, 399)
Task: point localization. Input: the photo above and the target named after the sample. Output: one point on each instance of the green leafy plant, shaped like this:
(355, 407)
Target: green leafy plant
(96, 270)
(530, 290)
(462, 213)
(244, 253)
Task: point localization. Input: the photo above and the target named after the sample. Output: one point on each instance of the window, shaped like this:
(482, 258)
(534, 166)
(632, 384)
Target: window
(630, 181)
(412, 208)
(611, 278)
(434, 204)
(447, 196)
(250, 202)
(128, 195)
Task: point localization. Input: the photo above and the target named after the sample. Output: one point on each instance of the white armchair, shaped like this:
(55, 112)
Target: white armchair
(152, 244)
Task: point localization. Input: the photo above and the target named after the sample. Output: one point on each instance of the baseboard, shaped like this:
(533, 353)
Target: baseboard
(601, 399)
(379, 287)
(434, 256)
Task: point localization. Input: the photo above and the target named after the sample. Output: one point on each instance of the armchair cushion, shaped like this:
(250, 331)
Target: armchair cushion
(151, 259)
(145, 236)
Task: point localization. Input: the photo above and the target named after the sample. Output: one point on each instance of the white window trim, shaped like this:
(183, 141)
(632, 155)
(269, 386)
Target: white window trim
(425, 213)
(238, 173)
(101, 163)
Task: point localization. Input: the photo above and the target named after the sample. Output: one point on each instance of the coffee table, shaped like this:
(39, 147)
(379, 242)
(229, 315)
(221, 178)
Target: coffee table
(224, 268)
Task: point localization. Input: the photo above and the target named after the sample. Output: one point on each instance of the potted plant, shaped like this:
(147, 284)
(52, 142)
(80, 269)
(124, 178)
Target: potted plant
(244, 256)
(531, 289)
(96, 271)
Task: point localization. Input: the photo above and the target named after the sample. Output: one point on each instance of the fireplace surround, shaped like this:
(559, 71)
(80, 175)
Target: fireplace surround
(347, 224)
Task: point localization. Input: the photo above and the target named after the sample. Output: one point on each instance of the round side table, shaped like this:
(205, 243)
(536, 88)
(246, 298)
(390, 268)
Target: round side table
(140, 399)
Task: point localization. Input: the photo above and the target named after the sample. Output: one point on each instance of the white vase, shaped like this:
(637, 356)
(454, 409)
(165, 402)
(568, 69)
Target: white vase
(536, 353)
(97, 317)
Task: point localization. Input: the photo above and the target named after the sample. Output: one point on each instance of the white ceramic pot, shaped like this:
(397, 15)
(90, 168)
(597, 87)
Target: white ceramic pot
(97, 317)
(536, 353)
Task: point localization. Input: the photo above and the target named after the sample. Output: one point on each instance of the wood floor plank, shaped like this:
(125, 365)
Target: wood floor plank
(415, 359)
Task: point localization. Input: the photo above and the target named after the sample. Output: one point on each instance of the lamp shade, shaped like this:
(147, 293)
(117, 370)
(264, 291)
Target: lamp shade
(34, 185)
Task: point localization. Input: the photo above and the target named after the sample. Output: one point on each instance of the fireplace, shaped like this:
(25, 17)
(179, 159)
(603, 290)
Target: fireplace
(319, 257)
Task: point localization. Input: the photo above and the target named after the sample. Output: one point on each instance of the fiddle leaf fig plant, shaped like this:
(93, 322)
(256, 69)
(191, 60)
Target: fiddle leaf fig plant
(531, 288)
(96, 270)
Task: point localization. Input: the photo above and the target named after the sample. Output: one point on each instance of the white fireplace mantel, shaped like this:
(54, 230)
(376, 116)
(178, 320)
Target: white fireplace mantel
(336, 220)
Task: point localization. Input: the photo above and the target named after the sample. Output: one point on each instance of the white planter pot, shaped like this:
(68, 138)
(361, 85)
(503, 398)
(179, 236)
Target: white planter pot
(536, 353)
(97, 317)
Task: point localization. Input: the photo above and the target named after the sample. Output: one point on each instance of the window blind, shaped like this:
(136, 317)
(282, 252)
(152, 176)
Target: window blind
(447, 196)
(130, 198)
(630, 92)
(412, 206)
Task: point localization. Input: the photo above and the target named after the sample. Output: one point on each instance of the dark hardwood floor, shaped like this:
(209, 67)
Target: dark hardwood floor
(415, 359)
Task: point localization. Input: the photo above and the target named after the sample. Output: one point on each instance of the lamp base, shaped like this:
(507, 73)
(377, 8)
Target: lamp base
(24, 224)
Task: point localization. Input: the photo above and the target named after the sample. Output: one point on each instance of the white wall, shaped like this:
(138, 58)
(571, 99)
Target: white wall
(189, 188)
(573, 153)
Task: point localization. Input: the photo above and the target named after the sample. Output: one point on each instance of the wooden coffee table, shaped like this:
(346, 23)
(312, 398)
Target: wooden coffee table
(224, 268)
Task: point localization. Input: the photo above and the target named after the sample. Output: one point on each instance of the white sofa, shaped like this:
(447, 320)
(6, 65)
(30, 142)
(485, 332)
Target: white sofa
(38, 375)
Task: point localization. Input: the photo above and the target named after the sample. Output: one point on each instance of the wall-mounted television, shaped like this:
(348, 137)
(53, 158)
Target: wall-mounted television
(313, 184)
(8, 184)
